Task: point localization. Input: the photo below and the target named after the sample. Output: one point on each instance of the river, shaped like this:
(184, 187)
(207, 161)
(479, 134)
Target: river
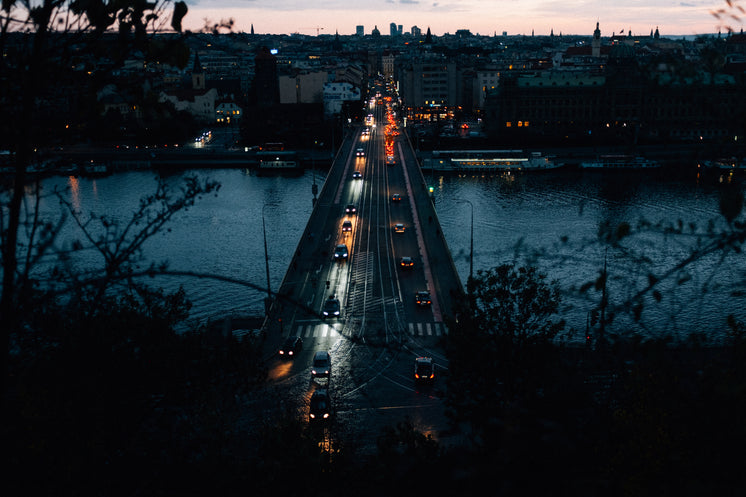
(550, 219)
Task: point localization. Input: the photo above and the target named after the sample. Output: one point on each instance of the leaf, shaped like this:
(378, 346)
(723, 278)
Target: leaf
(180, 10)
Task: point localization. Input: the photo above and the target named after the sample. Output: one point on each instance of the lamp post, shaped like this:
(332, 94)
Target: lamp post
(268, 300)
(471, 238)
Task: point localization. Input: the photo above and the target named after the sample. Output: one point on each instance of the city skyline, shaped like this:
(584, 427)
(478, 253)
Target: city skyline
(484, 17)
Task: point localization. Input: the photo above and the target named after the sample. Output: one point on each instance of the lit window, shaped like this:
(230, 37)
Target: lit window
(508, 124)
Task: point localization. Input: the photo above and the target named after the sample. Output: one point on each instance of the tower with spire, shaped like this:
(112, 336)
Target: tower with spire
(596, 43)
(198, 74)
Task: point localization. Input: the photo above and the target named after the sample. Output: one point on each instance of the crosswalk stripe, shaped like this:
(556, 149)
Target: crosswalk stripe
(323, 330)
(426, 329)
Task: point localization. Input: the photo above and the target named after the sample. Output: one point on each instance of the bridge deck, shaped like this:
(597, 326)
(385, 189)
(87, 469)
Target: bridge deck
(312, 252)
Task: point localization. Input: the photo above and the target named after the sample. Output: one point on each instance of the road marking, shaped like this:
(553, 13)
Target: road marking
(427, 329)
(316, 330)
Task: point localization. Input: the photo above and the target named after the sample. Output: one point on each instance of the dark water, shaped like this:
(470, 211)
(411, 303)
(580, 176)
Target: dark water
(550, 219)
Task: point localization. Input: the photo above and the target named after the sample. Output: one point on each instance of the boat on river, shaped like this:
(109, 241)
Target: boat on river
(282, 161)
(726, 164)
(488, 161)
(620, 161)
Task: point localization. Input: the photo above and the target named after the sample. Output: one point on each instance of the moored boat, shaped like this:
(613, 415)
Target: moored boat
(727, 163)
(278, 162)
(489, 160)
(620, 161)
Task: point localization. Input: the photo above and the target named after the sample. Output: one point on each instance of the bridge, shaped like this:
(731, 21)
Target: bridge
(381, 328)
(376, 293)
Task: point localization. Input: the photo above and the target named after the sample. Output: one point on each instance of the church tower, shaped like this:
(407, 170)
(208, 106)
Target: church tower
(198, 74)
(596, 43)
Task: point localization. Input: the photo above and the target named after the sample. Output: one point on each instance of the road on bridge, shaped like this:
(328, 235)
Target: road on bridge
(381, 328)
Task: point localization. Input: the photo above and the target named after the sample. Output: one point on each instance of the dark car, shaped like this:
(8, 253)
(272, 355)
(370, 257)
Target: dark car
(399, 228)
(396, 197)
(422, 298)
(360, 152)
(321, 365)
(291, 347)
(331, 307)
(321, 406)
(340, 252)
(347, 225)
(406, 263)
(351, 209)
(424, 370)
(357, 175)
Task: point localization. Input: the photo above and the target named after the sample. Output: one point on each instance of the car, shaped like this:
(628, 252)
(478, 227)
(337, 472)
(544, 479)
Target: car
(331, 307)
(424, 370)
(357, 175)
(360, 152)
(291, 347)
(351, 209)
(366, 132)
(422, 298)
(321, 365)
(398, 228)
(340, 252)
(406, 262)
(396, 197)
(321, 406)
(346, 225)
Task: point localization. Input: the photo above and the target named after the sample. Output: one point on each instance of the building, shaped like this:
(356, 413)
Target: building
(428, 84)
(266, 82)
(302, 87)
(227, 113)
(569, 107)
(197, 100)
(336, 94)
(360, 31)
(199, 103)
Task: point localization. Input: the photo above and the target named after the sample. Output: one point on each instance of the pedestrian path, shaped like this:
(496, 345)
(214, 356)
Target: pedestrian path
(323, 330)
(428, 329)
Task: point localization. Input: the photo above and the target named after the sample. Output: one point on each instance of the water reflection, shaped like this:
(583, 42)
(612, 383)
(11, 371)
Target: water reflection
(74, 185)
(550, 219)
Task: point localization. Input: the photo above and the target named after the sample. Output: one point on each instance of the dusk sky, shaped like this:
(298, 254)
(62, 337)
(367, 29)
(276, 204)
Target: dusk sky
(485, 17)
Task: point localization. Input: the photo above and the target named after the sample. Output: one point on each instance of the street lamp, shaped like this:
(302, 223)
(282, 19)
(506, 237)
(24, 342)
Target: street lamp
(268, 300)
(471, 238)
